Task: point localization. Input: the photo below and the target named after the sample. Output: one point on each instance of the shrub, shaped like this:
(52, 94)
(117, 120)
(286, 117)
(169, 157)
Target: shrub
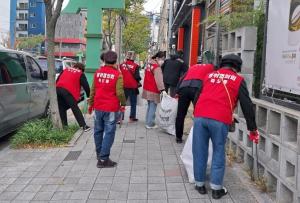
(41, 134)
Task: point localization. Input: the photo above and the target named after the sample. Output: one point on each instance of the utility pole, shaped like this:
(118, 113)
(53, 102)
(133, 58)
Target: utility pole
(171, 11)
(218, 33)
(118, 40)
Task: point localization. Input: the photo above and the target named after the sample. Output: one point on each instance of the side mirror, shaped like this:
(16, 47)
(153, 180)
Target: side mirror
(45, 75)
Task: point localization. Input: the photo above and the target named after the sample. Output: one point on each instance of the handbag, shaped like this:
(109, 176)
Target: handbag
(232, 125)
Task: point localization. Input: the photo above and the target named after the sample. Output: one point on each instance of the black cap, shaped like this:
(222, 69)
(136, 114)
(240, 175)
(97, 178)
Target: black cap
(233, 61)
(110, 57)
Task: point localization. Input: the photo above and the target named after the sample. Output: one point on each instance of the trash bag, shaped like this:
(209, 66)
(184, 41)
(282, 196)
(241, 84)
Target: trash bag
(187, 156)
(166, 115)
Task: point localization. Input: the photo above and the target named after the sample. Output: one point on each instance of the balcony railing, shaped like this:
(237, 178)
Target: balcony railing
(21, 29)
(22, 18)
(22, 7)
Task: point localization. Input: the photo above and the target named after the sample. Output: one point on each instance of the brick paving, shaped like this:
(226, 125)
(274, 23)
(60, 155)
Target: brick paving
(149, 170)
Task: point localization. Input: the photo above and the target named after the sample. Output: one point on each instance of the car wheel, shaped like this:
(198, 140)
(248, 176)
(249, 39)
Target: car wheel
(47, 112)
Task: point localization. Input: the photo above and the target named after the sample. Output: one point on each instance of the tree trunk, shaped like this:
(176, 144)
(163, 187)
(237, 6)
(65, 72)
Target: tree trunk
(55, 117)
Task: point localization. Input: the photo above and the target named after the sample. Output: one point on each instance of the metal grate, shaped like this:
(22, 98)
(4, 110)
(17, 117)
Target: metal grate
(72, 156)
(128, 141)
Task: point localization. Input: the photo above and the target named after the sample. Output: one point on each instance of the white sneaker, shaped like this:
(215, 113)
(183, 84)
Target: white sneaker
(151, 127)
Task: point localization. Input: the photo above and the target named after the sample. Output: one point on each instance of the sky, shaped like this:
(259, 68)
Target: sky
(4, 16)
(150, 5)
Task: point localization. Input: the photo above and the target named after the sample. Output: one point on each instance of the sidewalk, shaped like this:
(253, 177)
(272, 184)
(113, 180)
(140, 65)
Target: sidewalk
(149, 170)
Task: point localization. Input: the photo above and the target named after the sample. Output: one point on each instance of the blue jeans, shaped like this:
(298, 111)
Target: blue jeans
(205, 129)
(104, 133)
(150, 115)
(131, 93)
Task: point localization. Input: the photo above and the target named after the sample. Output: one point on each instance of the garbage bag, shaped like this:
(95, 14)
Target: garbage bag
(167, 112)
(187, 156)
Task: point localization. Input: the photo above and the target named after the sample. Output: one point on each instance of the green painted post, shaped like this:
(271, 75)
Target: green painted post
(94, 28)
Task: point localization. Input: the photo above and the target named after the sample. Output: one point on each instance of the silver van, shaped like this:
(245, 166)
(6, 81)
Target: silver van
(23, 90)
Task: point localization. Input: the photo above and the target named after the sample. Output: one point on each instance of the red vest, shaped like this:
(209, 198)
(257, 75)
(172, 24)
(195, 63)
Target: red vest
(198, 72)
(214, 102)
(70, 80)
(128, 69)
(105, 82)
(149, 80)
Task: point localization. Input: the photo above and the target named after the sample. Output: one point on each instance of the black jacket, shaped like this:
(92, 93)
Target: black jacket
(172, 70)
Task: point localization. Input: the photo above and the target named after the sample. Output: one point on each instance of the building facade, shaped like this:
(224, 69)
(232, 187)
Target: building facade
(187, 30)
(27, 18)
(70, 35)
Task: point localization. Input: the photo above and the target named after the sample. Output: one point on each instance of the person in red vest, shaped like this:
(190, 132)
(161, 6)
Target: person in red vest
(153, 87)
(68, 87)
(107, 98)
(131, 77)
(187, 89)
(221, 90)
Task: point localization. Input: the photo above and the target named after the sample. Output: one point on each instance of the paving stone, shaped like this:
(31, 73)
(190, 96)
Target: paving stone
(15, 188)
(122, 187)
(113, 195)
(102, 186)
(8, 195)
(156, 187)
(66, 188)
(138, 188)
(59, 196)
(80, 195)
(137, 195)
(72, 180)
(177, 194)
(22, 181)
(43, 196)
(178, 200)
(121, 180)
(136, 201)
(138, 179)
(107, 179)
(99, 194)
(84, 187)
(157, 195)
(49, 188)
(25, 195)
(156, 180)
(32, 188)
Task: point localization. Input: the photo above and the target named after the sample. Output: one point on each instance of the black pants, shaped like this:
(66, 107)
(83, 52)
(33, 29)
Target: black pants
(66, 101)
(171, 88)
(186, 96)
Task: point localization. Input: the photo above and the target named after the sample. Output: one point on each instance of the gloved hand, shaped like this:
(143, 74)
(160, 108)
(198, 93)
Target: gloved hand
(90, 110)
(176, 96)
(122, 109)
(254, 136)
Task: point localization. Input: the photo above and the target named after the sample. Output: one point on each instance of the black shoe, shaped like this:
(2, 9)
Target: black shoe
(131, 120)
(217, 194)
(202, 190)
(106, 163)
(179, 140)
(86, 128)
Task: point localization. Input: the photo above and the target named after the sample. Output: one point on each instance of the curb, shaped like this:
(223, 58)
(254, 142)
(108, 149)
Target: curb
(75, 138)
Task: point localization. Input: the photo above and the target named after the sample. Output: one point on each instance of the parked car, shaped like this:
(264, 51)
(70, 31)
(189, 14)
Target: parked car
(23, 90)
(60, 64)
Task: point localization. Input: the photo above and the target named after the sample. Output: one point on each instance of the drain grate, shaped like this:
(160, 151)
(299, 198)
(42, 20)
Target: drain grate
(128, 141)
(72, 156)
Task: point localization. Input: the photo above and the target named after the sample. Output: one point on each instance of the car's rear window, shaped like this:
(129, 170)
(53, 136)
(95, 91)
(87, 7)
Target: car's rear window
(44, 65)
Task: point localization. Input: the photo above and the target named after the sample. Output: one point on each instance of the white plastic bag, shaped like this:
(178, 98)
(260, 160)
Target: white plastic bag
(167, 112)
(187, 156)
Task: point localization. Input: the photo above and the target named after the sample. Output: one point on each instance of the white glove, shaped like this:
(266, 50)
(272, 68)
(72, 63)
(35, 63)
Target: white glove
(164, 93)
